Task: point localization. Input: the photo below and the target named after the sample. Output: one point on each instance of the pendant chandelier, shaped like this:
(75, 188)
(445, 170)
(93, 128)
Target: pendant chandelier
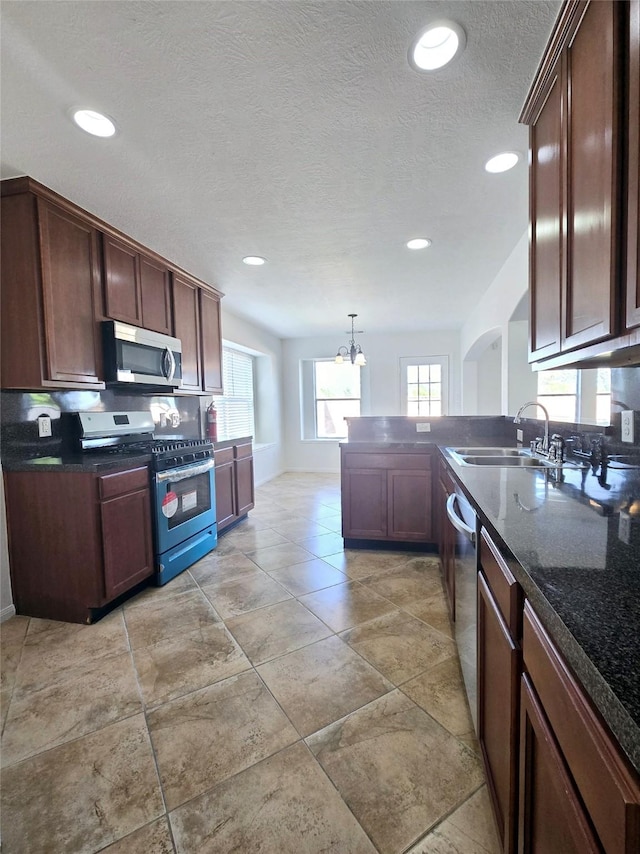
(353, 351)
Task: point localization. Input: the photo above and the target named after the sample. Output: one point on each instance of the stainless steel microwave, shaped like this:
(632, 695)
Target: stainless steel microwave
(135, 355)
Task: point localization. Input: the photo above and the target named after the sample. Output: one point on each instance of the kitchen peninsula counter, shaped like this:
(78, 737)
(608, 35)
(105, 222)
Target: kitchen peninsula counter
(572, 541)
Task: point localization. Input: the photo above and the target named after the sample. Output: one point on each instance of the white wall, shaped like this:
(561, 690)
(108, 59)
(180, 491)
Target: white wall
(6, 599)
(268, 445)
(490, 379)
(381, 388)
(491, 317)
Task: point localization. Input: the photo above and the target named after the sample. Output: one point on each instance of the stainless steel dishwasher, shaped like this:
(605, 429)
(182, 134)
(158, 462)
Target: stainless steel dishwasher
(463, 518)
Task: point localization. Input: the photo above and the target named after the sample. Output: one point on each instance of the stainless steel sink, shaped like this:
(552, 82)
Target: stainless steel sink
(510, 462)
(491, 452)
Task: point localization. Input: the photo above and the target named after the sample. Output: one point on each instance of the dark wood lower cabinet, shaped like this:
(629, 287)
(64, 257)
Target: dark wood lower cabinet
(498, 686)
(77, 540)
(446, 540)
(387, 496)
(552, 817)
(234, 482)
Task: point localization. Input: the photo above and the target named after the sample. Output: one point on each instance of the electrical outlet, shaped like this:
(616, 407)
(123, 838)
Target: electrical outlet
(626, 425)
(423, 427)
(519, 435)
(44, 426)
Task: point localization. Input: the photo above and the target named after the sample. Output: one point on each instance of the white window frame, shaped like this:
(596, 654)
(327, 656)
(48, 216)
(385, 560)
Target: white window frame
(414, 361)
(225, 404)
(315, 405)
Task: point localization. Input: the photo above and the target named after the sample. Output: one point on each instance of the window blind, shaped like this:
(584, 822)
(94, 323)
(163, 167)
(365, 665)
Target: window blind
(236, 408)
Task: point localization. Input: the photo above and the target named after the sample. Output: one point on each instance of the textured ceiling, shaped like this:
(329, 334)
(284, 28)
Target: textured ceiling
(293, 130)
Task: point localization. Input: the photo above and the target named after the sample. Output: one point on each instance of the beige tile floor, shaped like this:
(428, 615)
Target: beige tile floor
(283, 695)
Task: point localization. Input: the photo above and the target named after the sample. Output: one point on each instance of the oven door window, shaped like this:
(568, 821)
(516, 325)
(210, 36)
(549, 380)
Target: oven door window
(185, 499)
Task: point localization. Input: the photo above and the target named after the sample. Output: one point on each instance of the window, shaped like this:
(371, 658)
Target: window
(337, 396)
(236, 409)
(558, 392)
(603, 396)
(579, 396)
(424, 384)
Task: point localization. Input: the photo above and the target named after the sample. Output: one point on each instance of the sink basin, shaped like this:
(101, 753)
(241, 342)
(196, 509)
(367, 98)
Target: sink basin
(623, 461)
(490, 452)
(511, 462)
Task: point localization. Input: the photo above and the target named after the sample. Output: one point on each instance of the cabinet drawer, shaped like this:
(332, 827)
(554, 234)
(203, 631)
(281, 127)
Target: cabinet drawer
(608, 786)
(243, 451)
(225, 455)
(110, 485)
(416, 462)
(505, 589)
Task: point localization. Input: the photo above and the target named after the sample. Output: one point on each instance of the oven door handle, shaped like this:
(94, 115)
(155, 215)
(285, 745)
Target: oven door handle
(183, 472)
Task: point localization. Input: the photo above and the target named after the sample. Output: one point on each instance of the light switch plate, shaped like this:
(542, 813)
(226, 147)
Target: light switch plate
(519, 435)
(423, 427)
(44, 426)
(626, 425)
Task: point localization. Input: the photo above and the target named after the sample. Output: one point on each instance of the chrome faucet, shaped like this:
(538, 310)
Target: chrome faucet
(517, 420)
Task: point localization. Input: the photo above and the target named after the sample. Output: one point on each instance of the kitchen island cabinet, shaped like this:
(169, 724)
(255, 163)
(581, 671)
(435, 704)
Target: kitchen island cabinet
(234, 481)
(51, 284)
(386, 494)
(77, 540)
(446, 537)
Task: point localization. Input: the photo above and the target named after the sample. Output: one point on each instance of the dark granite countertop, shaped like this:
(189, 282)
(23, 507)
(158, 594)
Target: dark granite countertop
(574, 540)
(92, 463)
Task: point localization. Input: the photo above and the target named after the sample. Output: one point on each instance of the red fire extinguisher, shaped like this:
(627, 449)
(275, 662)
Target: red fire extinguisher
(212, 423)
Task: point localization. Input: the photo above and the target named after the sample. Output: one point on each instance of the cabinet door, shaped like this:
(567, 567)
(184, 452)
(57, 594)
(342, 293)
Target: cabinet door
(447, 548)
(409, 505)
(122, 281)
(225, 495)
(498, 687)
(187, 329)
(155, 296)
(593, 139)
(552, 818)
(545, 251)
(211, 342)
(364, 503)
(633, 161)
(127, 545)
(244, 485)
(70, 284)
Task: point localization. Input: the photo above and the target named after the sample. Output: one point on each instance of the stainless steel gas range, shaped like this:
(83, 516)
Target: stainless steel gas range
(183, 483)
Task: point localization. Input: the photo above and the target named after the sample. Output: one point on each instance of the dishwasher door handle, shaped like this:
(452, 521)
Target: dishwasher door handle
(456, 521)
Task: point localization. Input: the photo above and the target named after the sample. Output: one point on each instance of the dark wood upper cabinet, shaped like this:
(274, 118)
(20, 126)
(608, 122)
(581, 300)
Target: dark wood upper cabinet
(186, 315)
(136, 287)
(156, 296)
(50, 291)
(545, 250)
(584, 223)
(633, 169)
(211, 338)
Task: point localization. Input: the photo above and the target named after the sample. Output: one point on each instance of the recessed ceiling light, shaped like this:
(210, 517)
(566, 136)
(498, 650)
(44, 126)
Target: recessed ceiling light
(418, 243)
(94, 123)
(437, 45)
(502, 162)
(254, 260)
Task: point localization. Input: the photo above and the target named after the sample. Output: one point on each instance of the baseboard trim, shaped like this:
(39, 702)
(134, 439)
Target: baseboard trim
(7, 613)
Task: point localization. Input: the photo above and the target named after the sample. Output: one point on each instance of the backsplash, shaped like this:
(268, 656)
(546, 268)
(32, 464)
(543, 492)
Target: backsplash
(175, 417)
(625, 394)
